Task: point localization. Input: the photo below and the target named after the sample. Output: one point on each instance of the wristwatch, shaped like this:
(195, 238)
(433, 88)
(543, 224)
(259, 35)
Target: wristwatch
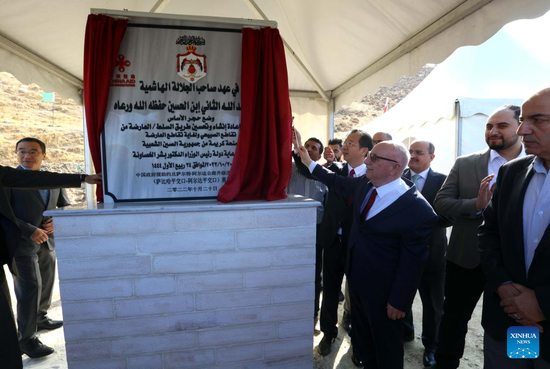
(83, 177)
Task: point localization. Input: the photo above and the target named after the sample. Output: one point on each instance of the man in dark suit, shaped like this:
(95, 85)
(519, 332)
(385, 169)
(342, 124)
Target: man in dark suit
(390, 227)
(334, 230)
(514, 242)
(428, 182)
(302, 185)
(35, 255)
(10, 234)
(464, 195)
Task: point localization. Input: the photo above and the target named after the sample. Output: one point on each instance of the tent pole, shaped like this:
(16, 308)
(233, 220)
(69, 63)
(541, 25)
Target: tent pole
(330, 118)
(458, 125)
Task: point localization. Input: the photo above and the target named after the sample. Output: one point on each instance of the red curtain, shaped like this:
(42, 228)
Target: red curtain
(262, 164)
(101, 43)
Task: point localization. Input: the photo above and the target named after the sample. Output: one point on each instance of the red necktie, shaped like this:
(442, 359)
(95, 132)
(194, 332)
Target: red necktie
(368, 206)
(352, 175)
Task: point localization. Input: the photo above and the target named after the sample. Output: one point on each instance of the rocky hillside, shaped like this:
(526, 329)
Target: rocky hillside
(372, 106)
(23, 114)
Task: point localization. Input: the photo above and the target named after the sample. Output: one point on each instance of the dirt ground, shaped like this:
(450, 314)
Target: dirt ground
(339, 358)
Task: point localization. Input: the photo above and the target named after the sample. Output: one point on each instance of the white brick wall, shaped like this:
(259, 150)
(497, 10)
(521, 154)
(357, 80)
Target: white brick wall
(207, 289)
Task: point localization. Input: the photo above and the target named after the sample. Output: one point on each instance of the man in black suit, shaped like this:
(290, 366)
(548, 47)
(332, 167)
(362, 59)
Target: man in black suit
(390, 226)
(432, 283)
(514, 242)
(334, 229)
(35, 255)
(10, 234)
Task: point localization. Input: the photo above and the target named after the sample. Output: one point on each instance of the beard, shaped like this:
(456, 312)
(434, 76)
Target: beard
(504, 144)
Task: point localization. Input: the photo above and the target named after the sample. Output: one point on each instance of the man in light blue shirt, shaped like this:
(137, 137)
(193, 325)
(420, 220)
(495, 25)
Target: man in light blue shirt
(514, 242)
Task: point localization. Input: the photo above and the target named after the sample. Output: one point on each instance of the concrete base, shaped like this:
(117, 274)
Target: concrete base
(196, 284)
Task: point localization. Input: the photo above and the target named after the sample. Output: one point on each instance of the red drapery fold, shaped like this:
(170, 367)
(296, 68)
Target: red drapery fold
(262, 164)
(101, 44)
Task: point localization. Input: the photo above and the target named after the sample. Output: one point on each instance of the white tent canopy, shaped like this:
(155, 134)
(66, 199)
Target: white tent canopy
(337, 51)
(451, 105)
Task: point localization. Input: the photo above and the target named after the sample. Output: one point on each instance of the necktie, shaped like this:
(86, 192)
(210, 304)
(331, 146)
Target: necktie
(352, 173)
(415, 179)
(368, 206)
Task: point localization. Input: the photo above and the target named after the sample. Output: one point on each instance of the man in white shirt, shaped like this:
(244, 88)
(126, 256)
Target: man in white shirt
(391, 223)
(514, 242)
(464, 195)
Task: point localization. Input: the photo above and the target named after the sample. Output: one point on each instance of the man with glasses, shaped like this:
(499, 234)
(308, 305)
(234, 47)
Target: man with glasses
(465, 193)
(10, 234)
(428, 182)
(334, 230)
(391, 223)
(35, 254)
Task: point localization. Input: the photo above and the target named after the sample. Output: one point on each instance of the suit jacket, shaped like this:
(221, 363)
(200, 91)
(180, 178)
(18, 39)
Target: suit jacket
(28, 207)
(457, 200)
(437, 243)
(337, 212)
(10, 233)
(502, 251)
(388, 251)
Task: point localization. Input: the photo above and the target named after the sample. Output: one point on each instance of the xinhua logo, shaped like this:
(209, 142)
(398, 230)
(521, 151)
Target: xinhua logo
(523, 342)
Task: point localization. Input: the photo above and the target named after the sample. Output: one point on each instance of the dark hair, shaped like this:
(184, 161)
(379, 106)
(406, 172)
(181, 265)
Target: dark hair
(318, 141)
(335, 141)
(365, 140)
(516, 109)
(31, 139)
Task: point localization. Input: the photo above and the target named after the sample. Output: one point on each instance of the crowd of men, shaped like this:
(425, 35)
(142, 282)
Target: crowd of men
(383, 225)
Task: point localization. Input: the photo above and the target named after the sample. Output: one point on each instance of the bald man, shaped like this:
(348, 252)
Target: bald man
(381, 137)
(386, 251)
(514, 242)
(432, 283)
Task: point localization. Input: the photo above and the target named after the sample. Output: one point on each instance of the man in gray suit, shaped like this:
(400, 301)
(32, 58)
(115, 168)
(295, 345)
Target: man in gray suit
(465, 193)
(35, 254)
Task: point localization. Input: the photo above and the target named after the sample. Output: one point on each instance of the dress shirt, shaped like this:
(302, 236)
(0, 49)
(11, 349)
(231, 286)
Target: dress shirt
(421, 180)
(536, 210)
(45, 194)
(361, 170)
(496, 161)
(385, 196)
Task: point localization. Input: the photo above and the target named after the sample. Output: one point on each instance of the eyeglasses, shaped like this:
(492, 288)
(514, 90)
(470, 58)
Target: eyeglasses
(349, 143)
(29, 153)
(373, 157)
(417, 152)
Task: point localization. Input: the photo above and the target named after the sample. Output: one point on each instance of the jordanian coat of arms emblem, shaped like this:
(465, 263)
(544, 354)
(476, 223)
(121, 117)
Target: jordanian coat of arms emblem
(191, 66)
